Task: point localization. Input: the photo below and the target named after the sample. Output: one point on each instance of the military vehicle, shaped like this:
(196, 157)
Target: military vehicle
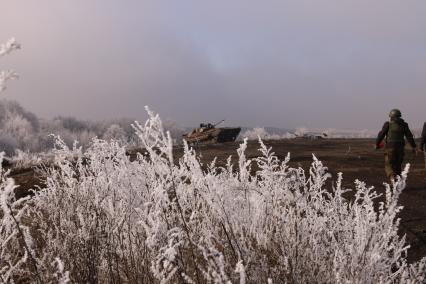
(207, 133)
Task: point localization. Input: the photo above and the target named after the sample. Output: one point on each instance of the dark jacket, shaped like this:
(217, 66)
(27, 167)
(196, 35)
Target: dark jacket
(394, 132)
(423, 141)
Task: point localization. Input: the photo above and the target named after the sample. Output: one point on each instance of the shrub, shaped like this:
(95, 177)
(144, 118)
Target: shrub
(21, 261)
(157, 220)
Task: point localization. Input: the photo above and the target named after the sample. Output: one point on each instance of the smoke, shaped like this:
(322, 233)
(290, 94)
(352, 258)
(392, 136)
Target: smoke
(337, 133)
(276, 134)
(264, 134)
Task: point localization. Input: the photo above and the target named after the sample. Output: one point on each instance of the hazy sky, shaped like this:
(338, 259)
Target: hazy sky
(318, 63)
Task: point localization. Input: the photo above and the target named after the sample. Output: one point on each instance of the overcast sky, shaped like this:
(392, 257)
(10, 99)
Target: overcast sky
(318, 63)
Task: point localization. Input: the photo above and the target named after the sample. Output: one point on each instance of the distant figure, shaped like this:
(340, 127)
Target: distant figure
(423, 144)
(394, 131)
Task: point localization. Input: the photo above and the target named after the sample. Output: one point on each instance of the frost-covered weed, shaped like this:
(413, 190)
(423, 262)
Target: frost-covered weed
(20, 261)
(22, 160)
(5, 49)
(163, 220)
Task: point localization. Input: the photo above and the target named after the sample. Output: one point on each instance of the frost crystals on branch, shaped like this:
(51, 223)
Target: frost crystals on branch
(5, 49)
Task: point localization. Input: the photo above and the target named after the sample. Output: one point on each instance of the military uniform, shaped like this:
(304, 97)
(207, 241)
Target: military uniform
(423, 144)
(394, 132)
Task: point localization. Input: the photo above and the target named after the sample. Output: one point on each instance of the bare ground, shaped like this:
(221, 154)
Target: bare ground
(355, 158)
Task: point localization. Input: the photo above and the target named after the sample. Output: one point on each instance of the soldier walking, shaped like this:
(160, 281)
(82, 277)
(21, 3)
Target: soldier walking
(423, 144)
(393, 132)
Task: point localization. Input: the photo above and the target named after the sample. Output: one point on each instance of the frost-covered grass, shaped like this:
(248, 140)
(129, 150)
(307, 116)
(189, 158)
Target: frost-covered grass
(255, 133)
(21, 259)
(23, 160)
(102, 218)
(6, 48)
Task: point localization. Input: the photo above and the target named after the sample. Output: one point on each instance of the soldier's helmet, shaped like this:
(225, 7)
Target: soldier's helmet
(395, 113)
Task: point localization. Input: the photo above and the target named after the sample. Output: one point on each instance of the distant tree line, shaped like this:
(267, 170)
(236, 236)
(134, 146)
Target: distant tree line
(22, 129)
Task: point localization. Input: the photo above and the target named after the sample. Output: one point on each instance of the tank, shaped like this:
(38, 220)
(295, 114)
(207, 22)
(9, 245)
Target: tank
(208, 133)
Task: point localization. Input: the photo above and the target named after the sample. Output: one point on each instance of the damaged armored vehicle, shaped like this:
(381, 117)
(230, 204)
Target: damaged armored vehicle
(208, 133)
